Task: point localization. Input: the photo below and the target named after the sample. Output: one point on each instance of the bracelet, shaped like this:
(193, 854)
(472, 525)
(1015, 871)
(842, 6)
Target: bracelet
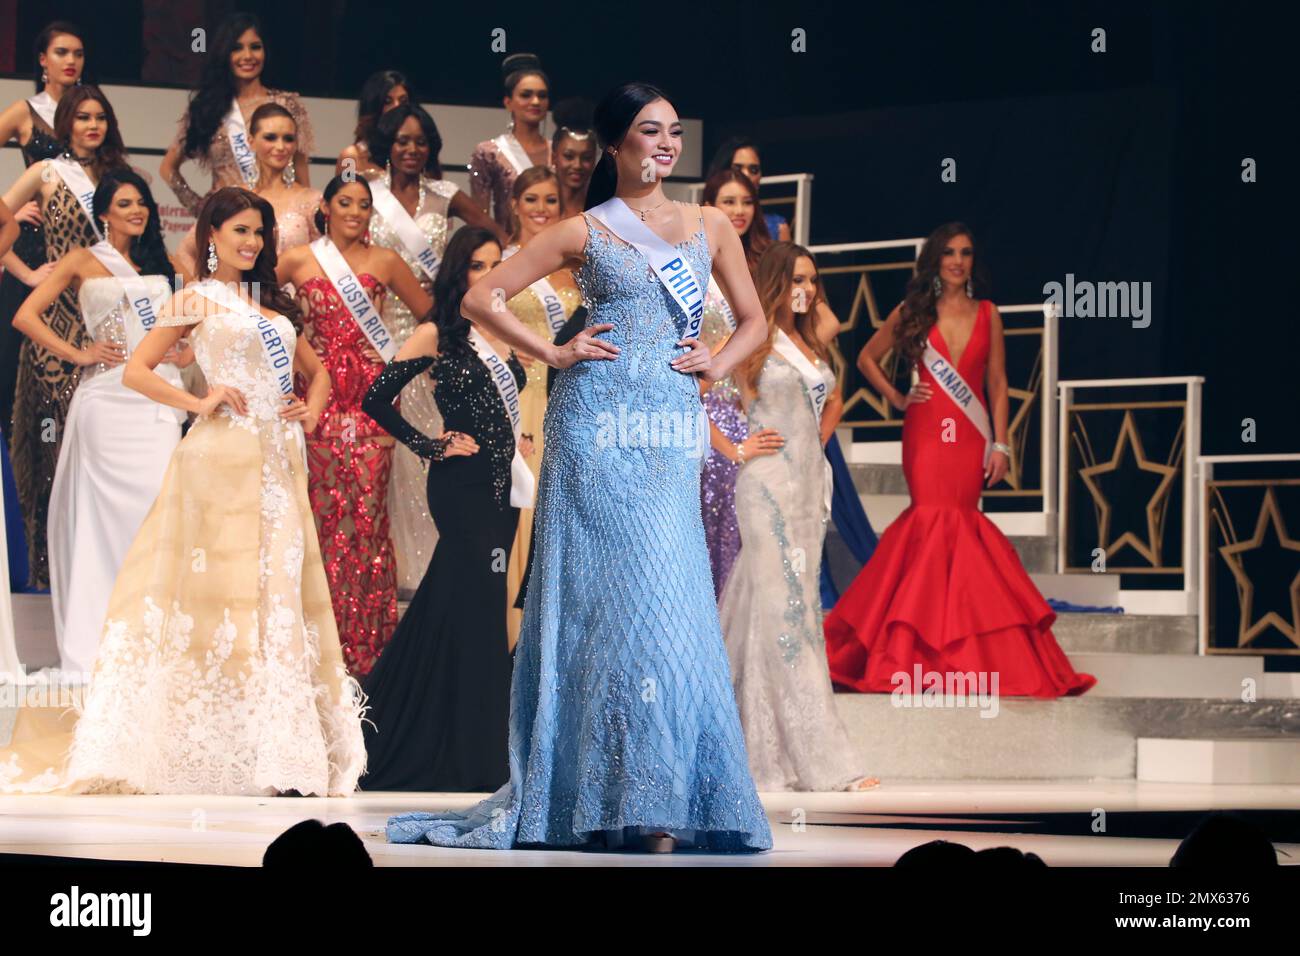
(740, 452)
(1005, 449)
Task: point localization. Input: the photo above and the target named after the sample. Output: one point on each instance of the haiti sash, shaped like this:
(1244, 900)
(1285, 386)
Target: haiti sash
(522, 483)
(408, 233)
(353, 294)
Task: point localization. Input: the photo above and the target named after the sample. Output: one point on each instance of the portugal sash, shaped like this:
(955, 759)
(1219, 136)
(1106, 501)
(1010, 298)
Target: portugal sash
(522, 483)
(353, 294)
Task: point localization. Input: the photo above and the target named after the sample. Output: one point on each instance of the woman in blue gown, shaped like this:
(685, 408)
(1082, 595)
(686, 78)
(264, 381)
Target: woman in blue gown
(623, 725)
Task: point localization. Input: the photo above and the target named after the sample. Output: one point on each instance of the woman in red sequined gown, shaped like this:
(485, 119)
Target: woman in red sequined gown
(945, 590)
(349, 457)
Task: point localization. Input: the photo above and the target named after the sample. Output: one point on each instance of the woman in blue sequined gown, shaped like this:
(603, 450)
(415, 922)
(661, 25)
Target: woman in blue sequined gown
(623, 726)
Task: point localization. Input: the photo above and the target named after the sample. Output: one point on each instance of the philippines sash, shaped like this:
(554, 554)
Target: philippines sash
(522, 483)
(815, 388)
(79, 184)
(354, 296)
(513, 151)
(963, 395)
(720, 300)
(237, 134)
(408, 233)
(672, 269)
(279, 357)
(44, 105)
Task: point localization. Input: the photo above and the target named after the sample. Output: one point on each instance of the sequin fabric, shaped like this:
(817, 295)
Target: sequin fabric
(349, 463)
(622, 715)
(718, 483)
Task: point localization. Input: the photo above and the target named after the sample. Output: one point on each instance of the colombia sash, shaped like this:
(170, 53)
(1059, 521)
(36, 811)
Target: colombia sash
(237, 134)
(279, 358)
(44, 105)
(724, 306)
(522, 483)
(513, 151)
(353, 294)
(408, 233)
(552, 305)
(814, 387)
(963, 395)
(79, 184)
(672, 269)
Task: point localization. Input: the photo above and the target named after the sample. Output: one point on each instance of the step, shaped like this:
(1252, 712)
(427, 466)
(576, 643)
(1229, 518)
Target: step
(1097, 590)
(1267, 760)
(1081, 632)
(1072, 738)
(1175, 676)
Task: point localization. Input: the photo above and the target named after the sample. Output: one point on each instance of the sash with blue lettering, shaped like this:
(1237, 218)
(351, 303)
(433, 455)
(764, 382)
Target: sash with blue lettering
(279, 356)
(79, 184)
(669, 265)
(237, 134)
(814, 386)
(552, 305)
(353, 294)
(523, 485)
(963, 396)
(408, 233)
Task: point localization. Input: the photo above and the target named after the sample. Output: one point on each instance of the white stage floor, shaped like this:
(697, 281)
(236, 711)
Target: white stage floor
(842, 829)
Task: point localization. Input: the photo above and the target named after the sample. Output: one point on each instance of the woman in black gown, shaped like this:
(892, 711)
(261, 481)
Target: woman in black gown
(439, 694)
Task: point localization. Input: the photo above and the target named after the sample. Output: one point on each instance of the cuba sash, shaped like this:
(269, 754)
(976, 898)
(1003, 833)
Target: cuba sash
(522, 483)
(962, 395)
(279, 356)
(408, 233)
(353, 294)
(44, 105)
(237, 134)
(79, 184)
(715, 291)
(513, 151)
(814, 386)
(672, 269)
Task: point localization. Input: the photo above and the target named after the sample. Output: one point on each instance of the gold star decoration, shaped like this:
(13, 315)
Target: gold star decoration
(1248, 630)
(1150, 549)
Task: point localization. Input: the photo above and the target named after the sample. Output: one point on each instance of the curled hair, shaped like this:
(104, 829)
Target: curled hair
(147, 249)
(384, 134)
(774, 282)
(519, 65)
(222, 205)
(370, 104)
(210, 102)
(111, 152)
(756, 239)
(613, 117)
(450, 285)
(920, 311)
(523, 182)
(46, 37)
(331, 189)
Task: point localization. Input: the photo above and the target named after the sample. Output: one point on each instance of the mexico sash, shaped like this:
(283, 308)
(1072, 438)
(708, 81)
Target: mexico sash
(79, 184)
(279, 358)
(962, 394)
(815, 388)
(353, 294)
(671, 268)
(522, 483)
(408, 233)
(44, 105)
(237, 134)
(510, 148)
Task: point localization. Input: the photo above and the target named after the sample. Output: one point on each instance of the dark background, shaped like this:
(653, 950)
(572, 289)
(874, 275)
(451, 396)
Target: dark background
(1115, 166)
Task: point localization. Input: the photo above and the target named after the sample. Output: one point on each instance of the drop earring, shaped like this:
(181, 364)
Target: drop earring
(212, 257)
(45, 78)
(970, 289)
(938, 287)
(106, 231)
(290, 175)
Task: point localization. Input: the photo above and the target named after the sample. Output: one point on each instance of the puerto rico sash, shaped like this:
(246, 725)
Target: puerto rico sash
(522, 483)
(44, 105)
(963, 396)
(353, 294)
(408, 233)
(814, 387)
(672, 269)
(279, 354)
(79, 184)
(513, 151)
(237, 134)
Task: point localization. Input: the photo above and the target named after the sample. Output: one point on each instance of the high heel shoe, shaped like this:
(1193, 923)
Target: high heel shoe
(658, 843)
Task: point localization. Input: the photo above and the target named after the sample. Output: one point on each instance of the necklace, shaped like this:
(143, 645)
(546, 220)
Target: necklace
(642, 212)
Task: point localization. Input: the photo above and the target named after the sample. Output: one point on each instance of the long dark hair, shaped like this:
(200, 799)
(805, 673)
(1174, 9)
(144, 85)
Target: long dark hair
(384, 133)
(230, 201)
(614, 115)
(147, 249)
(920, 310)
(756, 239)
(331, 188)
(210, 102)
(726, 152)
(449, 287)
(370, 104)
(46, 37)
(774, 281)
(112, 151)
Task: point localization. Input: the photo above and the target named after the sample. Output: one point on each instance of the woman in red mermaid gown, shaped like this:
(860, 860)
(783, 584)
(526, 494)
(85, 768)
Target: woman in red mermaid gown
(349, 457)
(945, 589)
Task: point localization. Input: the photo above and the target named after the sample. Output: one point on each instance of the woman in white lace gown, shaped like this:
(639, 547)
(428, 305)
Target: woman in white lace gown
(116, 443)
(771, 606)
(219, 669)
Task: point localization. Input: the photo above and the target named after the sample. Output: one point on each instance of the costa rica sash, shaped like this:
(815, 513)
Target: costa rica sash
(353, 294)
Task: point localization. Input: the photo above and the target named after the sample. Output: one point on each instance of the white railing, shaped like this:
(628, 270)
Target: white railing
(1047, 413)
(1204, 475)
(801, 221)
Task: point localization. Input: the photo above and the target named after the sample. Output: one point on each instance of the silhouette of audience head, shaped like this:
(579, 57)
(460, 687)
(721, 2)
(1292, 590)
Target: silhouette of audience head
(313, 844)
(1225, 841)
(942, 855)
